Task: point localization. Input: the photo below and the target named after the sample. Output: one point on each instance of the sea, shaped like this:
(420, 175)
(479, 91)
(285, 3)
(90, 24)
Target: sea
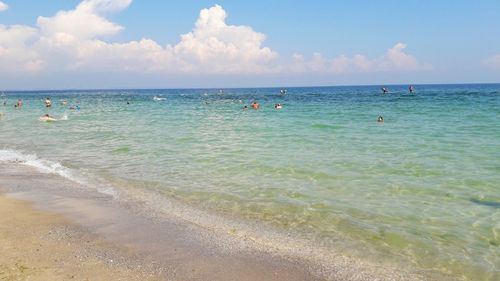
(421, 188)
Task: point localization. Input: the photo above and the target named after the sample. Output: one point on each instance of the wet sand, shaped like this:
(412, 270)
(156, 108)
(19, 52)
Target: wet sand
(54, 229)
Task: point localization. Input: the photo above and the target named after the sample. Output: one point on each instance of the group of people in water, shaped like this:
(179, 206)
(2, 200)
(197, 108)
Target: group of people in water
(254, 105)
(411, 89)
(385, 90)
(48, 104)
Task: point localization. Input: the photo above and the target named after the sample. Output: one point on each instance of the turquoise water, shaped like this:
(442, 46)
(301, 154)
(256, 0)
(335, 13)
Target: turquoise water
(423, 186)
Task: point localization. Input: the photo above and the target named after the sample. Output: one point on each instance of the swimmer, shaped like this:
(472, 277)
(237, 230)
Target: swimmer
(48, 102)
(278, 106)
(47, 118)
(245, 107)
(19, 103)
(385, 90)
(411, 88)
(380, 119)
(64, 102)
(255, 105)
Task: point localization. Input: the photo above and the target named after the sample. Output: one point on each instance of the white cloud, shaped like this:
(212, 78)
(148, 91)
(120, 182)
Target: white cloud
(3, 6)
(85, 22)
(395, 59)
(215, 46)
(15, 53)
(492, 62)
(79, 39)
(75, 40)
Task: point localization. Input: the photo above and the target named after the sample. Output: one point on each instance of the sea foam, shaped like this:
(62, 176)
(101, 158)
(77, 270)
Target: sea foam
(51, 167)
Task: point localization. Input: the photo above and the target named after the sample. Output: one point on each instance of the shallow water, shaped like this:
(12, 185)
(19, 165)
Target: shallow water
(423, 186)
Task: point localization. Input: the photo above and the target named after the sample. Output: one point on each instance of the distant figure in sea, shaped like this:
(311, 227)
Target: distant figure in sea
(74, 107)
(385, 90)
(380, 119)
(4, 103)
(48, 102)
(245, 107)
(255, 105)
(64, 102)
(128, 102)
(411, 89)
(19, 103)
(283, 92)
(47, 118)
(278, 106)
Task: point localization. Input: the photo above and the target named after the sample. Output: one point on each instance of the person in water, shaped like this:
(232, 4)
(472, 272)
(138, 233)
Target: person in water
(385, 90)
(19, 103)
(255, 105)
(47, 118)
(380, 119)
(48, 102)
(278, 106)
(411, 88)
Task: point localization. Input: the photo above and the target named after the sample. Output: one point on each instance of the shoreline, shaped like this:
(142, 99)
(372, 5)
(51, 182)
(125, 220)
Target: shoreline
(182, 250)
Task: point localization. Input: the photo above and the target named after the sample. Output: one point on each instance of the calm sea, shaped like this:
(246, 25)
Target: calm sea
(423, 186)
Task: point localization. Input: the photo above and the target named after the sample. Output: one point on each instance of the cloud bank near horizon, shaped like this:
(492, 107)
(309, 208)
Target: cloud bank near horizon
(76, 40)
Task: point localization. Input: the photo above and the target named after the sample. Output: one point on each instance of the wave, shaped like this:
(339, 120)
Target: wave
(64, 117)
(158, 98)
(51, 167)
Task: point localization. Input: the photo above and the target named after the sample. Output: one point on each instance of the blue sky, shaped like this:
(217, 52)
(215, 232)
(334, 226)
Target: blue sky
(97, 43)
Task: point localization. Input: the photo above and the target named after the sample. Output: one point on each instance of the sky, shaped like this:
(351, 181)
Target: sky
(96, 44)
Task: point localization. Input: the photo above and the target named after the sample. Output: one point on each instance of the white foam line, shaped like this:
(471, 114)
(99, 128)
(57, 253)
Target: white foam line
(50, 167)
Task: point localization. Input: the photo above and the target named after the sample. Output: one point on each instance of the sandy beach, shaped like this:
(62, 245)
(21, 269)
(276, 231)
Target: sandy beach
(49, 231)
(37, 245)
(54, 234)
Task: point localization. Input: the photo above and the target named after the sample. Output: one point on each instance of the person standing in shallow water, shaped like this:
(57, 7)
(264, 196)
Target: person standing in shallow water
(411, 89)
(380, 119)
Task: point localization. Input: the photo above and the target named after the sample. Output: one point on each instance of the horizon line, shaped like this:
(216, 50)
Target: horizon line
(263, 87)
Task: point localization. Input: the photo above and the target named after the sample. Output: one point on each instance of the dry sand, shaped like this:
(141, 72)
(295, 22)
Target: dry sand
(36, 245)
